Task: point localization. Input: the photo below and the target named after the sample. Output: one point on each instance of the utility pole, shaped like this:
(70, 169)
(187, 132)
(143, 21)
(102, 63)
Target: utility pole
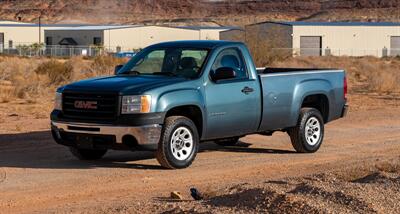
(40, 28)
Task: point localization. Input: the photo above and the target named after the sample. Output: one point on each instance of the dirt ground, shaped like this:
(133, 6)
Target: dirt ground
(357, 169)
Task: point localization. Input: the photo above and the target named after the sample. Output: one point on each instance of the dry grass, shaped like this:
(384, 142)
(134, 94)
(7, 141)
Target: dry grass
(33, 78)
(366, 74)
(56, 71)
(6, 91)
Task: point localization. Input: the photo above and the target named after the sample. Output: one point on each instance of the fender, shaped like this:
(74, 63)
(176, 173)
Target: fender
(182, 97)
(306, 88)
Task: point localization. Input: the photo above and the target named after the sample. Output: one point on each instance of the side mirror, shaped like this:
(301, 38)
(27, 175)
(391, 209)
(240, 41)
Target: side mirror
(224, 73)
(117, 68)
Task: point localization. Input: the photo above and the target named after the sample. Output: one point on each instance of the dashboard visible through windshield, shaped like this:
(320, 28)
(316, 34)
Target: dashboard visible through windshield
(180, 62)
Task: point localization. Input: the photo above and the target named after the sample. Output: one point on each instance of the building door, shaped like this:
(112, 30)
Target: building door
(395, 46)
(1, 42)
(310, 45)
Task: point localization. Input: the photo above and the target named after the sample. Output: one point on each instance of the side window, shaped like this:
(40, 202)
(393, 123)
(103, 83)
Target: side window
(96, 40)
(49, 40)
(232, 58)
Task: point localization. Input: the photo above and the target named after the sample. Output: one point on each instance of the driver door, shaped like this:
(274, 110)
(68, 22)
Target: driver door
(232, 105)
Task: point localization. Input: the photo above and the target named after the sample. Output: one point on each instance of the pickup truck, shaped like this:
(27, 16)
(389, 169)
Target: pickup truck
(172, 96)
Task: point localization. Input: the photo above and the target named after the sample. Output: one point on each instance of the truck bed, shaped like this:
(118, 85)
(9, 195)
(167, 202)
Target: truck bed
(270, 70)
(284, 89)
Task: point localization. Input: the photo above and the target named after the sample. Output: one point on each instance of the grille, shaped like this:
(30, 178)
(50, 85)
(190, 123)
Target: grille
(106, 106)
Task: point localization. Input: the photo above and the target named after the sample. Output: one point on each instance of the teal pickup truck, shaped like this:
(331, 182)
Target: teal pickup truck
(172, 96)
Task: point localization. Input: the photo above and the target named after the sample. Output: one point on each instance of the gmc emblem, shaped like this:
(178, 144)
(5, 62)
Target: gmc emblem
(85, 104)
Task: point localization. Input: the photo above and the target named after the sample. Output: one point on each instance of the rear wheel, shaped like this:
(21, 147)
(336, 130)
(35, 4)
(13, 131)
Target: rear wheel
(179, 143)
(308, 134)
(87, 154)
(227, 141)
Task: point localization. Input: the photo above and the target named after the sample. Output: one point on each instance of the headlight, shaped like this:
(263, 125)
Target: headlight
(58, 101)
(136, 104)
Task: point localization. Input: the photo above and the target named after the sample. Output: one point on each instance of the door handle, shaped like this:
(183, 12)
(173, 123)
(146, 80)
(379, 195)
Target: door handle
(247, 90)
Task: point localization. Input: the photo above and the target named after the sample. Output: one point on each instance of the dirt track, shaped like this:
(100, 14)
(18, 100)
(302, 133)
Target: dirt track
(36, 175)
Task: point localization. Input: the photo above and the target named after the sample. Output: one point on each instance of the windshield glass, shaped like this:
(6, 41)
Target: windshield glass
(181, 62)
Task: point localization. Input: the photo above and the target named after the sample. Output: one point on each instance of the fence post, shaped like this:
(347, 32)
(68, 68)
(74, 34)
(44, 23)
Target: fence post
(384, 52)
(327, 51)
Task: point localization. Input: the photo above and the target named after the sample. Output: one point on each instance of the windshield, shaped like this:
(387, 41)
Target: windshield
(181, 62)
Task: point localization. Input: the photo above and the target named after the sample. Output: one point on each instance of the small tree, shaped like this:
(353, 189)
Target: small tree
(36, 48)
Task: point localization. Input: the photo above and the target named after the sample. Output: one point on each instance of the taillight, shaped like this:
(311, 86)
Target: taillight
(345, 88)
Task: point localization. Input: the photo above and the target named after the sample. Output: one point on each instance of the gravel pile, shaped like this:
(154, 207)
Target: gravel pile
(347, 191)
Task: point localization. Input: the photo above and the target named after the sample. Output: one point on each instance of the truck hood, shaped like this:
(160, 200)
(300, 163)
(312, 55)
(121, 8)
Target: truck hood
(131, 84)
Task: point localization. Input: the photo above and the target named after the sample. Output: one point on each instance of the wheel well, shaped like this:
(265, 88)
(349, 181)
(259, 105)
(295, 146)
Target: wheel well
(318, 101)
(190, 111)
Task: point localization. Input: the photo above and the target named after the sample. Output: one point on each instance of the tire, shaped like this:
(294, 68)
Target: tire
(180, 151)
(308, 134)
(87, 154)
(227, 141)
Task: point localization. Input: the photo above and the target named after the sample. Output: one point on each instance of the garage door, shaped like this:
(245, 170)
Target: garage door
(395, 45)
(310, 45)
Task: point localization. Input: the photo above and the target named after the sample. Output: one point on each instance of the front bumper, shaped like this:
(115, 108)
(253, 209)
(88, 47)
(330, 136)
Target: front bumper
(129, 137)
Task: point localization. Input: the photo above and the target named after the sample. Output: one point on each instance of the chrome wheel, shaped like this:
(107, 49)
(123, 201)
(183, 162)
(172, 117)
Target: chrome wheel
(181, 143)
(312, 131)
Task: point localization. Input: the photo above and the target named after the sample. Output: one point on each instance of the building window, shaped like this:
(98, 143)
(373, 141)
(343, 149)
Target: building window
(10, 43)
(49, 40)
(97, 40)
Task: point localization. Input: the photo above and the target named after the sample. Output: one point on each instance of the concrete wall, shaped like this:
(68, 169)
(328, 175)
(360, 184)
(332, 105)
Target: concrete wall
(349, 40)
(140, 37)
(233, 35)
(82, 37)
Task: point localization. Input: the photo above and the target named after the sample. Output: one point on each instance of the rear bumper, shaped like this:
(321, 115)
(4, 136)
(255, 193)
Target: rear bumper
(121, 137)
(345, 110)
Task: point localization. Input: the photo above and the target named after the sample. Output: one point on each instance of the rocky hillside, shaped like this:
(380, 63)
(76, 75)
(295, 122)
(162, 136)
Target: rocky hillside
(233, 12)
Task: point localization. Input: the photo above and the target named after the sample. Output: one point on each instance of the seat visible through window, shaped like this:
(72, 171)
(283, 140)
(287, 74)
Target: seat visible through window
(231, 58)
(188, 67)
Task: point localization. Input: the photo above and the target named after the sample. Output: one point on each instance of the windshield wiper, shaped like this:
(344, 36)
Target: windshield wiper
(167, 73)
(131, 73)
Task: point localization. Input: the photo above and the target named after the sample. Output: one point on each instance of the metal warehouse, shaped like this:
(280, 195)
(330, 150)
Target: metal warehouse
(13, 34)
(324, 38)
(127, 37)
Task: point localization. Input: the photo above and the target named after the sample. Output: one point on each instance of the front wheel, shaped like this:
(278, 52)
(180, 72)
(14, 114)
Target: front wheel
(308, 134)
(179, 143)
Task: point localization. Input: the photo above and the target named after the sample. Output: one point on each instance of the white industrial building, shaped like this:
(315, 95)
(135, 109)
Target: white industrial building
(325, 38)
(127, 37)
(76, 39)
(14, 33)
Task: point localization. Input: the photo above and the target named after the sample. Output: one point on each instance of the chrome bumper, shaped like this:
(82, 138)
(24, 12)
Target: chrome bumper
(145, 135)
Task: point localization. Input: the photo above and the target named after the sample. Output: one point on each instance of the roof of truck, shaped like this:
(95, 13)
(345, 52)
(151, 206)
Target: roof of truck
(196, 43)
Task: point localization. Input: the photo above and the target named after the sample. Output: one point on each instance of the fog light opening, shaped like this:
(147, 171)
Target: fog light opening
(130, 141)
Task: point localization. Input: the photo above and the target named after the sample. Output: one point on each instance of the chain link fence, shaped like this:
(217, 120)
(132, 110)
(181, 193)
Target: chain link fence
(31, 50)
(70, 51)
(384, 52)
